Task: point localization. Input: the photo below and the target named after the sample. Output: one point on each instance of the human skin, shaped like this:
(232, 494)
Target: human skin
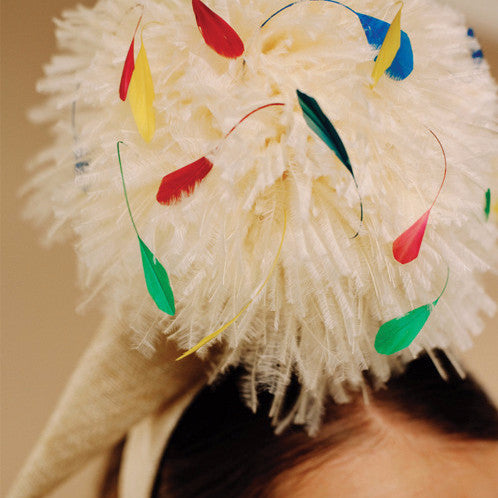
(397, 457)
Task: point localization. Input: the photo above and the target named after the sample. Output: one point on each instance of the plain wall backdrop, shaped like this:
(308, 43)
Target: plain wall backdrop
(42, 336)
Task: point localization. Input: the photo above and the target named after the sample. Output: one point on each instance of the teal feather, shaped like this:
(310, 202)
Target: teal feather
(321, 125)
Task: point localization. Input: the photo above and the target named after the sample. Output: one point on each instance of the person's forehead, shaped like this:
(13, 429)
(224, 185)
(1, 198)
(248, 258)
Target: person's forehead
(409, 465)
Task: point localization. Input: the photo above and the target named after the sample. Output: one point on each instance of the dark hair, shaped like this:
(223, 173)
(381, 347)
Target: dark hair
(220, 448)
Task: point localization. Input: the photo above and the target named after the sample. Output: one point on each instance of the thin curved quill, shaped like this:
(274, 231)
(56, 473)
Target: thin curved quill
(407, 246)
(141, 96)
(389, 49)
(183, 181)
(224, 327)
(128, 67)
(234, 127)
(217, 33)
(375, 32)
(399, 333)
(156, 277)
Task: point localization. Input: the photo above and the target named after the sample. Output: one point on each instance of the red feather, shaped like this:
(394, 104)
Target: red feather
(183, 181)
(129, 65)
(128, 69)
(217, 33)
(407, 246)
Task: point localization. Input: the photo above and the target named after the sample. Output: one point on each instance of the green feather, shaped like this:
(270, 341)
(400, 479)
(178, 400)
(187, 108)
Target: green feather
(399, 333)
(321, 125)
(157, 280)
(487, 206)
(156, 277)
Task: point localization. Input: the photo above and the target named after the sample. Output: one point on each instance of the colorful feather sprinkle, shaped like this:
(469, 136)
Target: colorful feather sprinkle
(389, 49)
(407, 246)
(128, 67)
(321, 125)
(182, 182)
(141, 96)
(478, 55)
(487, 205)
(399, 333)
(156, 277)
(375, 32)
(214, 334)
(217, 33)
(157, 280)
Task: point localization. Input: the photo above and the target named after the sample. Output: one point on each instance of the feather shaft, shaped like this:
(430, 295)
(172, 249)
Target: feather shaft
(250, 114)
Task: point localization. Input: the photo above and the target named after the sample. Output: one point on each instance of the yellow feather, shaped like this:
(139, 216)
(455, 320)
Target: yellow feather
(141, 96)
(221, 329)
(389, 49)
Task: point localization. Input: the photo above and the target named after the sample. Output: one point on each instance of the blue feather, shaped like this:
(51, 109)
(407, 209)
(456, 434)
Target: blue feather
(375, 31)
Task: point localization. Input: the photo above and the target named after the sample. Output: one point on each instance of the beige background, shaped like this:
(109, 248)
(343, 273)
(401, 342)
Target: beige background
(41, 335)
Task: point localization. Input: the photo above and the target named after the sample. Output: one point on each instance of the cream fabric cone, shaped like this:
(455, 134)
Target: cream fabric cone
(145, 444)
(113, 387)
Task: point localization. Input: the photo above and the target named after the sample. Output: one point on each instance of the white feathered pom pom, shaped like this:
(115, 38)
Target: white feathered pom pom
(318, 314)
